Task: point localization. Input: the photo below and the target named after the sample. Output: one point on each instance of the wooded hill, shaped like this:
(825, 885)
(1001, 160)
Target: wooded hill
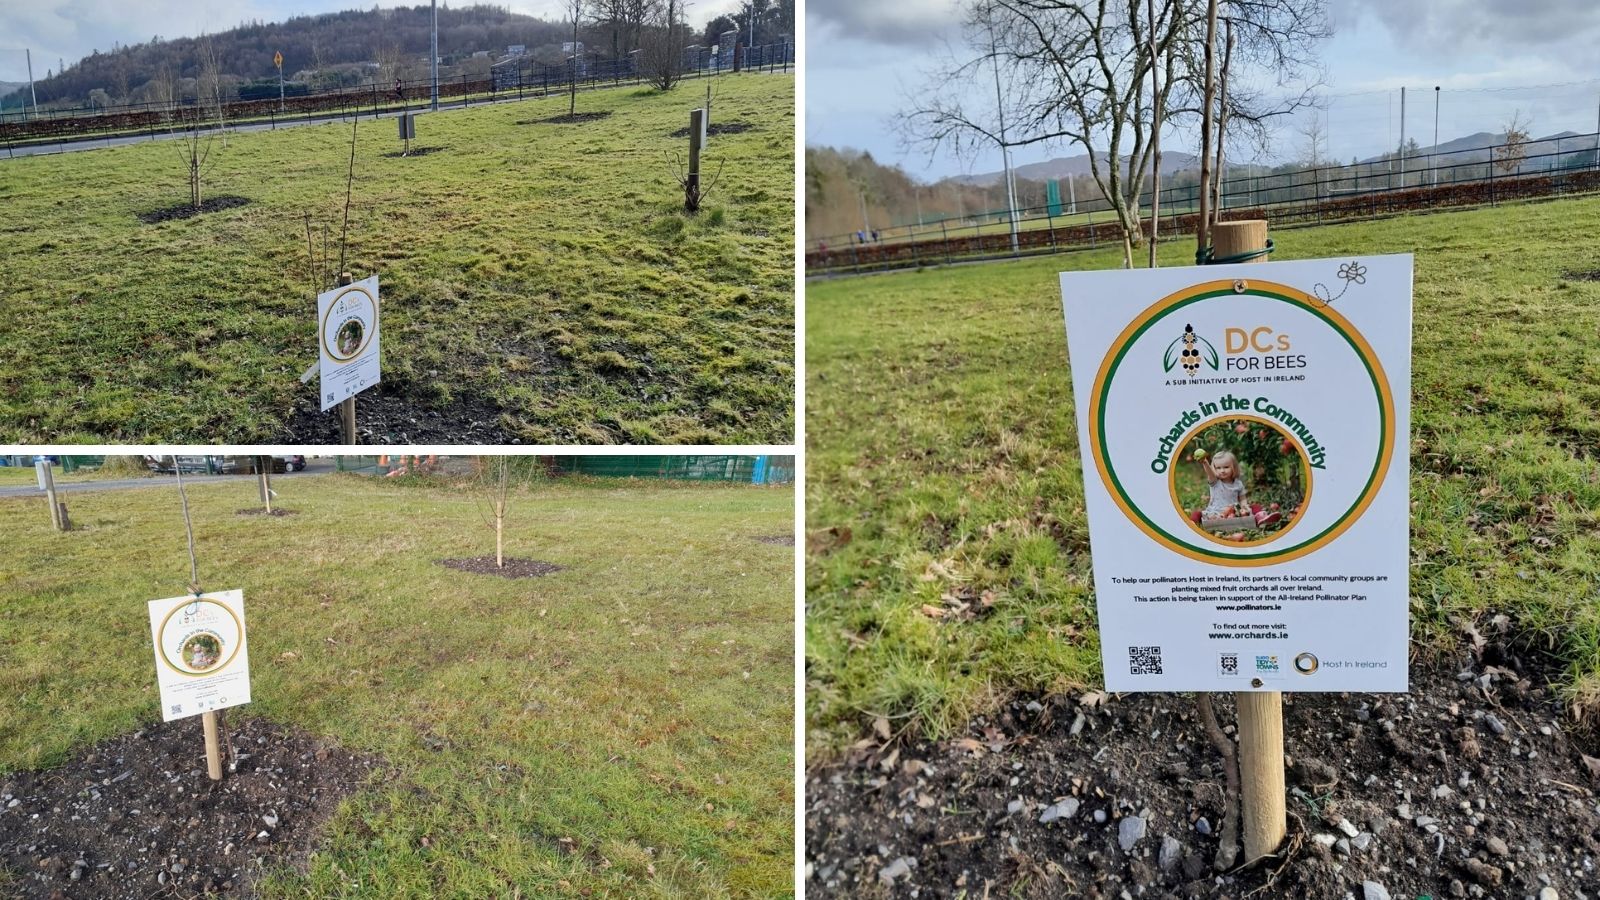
(343, 48)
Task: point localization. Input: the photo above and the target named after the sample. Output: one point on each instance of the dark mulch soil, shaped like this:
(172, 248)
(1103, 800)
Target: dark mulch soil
(514, 568)
(716, 128)
(187, 210)
(276, 513)
(1469, 786)
(415, 151)
(389, 418)
(564, 119)
(136, 816)
(786, 540)
(1591, 275)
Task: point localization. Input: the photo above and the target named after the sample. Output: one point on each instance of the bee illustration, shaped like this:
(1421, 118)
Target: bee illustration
(1193, 351)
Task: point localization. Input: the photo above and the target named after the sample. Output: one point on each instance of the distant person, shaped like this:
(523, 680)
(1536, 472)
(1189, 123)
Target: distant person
(861, 236)
(876, 238)
(399, 90)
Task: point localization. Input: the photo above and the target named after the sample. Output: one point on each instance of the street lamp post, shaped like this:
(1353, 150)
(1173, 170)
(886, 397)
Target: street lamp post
(1435, 149)
(435, 58)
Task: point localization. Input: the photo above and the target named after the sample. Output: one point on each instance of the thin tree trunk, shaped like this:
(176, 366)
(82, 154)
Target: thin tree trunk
(1155, 134)
(499, 534)
(1228, 851)
(1222, 122)
(1202, 227)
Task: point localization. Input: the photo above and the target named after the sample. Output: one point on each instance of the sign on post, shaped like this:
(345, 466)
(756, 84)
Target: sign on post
(1243, 431)
(347, 335)
(202, 660)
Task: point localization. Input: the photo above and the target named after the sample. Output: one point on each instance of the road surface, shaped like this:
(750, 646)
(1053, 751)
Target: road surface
(313, 467)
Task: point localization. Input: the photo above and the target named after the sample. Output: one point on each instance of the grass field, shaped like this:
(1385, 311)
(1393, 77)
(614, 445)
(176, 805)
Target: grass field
(542, 278)
(940, 432)
(641, 698)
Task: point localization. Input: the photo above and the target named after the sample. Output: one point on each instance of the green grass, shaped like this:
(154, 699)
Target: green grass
(542, 276)
(940, 430)
(639, 703)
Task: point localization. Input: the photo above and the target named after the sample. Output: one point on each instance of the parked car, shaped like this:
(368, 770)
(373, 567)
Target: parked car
(193, 465)
(293, 463)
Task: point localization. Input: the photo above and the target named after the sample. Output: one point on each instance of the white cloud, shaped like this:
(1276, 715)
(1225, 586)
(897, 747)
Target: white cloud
(908, 23)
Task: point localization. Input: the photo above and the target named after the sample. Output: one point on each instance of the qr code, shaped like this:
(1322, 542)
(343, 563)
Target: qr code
(1144, 660)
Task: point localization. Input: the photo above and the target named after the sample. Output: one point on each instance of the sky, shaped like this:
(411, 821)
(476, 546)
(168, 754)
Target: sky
(1491, 59)
(67, 30)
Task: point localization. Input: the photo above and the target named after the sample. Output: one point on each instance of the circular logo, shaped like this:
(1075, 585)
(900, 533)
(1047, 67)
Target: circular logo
(348, 323)
(199, 637)
(1208, 434)
(1306, 663)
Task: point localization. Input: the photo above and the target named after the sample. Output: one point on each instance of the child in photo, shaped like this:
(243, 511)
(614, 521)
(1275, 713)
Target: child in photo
(1228, 491)
(1229, 495)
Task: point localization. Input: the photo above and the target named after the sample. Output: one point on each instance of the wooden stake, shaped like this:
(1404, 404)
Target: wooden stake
(49, 479)
(697, 132)
(61, 516)
(347, 409)
(213, 751)
(1233, 238)
(1262, 790)
(1261, 772)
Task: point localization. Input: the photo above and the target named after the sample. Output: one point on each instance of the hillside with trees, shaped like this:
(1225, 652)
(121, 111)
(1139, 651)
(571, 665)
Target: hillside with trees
(356, 46)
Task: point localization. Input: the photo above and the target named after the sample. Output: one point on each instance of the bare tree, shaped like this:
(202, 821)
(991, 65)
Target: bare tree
(494, 485)
(196, 146)
(1508, 158)
(663, 47)
(1081, 72)
(575, 9)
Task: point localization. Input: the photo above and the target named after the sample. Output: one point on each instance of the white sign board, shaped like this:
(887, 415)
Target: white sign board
(202, 661)
(347, 333)
(1243, 431)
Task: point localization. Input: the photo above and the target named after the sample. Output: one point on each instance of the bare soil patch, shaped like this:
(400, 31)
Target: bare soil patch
(276, 513)
(514, 567)
(391, 418)
(415, 151)
(564, 119)
(1469, 786)
(136, 816)
(1590, 275)
(786, 540)
(716, 128)
(188, 211)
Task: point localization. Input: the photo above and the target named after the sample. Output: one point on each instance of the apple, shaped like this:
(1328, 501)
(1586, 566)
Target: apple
(1272, 506)
(1199, 454)
(1241, 428)
(1286, 448)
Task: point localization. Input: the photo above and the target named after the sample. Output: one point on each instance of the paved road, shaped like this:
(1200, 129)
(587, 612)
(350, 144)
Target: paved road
(313, 467)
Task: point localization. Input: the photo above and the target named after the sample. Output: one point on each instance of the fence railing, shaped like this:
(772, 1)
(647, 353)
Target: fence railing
(1458, 178)
(513, 77)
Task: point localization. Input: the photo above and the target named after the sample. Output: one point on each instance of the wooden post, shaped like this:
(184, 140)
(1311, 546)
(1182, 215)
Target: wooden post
(264, 474)
(62, 517)
(1233, 238)
(1262, 788)
(49, 479)
(1261, 772)
(697, 134)
(347, 409)
(1202, 236)
(213, 750)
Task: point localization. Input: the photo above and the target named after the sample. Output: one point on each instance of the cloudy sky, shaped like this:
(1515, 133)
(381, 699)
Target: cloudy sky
(1492, 58)
(69, 29)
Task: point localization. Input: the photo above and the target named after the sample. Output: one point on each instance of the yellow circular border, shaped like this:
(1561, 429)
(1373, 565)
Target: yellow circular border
(322, 332)
(1282, 292)
(1305, 469)
(161, 633)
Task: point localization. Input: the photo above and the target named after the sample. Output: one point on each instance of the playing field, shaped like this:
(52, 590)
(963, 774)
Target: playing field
(541, 281)
(940, 428)
(623, 727)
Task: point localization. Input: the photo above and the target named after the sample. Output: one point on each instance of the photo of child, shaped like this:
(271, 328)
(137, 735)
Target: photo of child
(202, 651)
(1241, 480)
(350, 337)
